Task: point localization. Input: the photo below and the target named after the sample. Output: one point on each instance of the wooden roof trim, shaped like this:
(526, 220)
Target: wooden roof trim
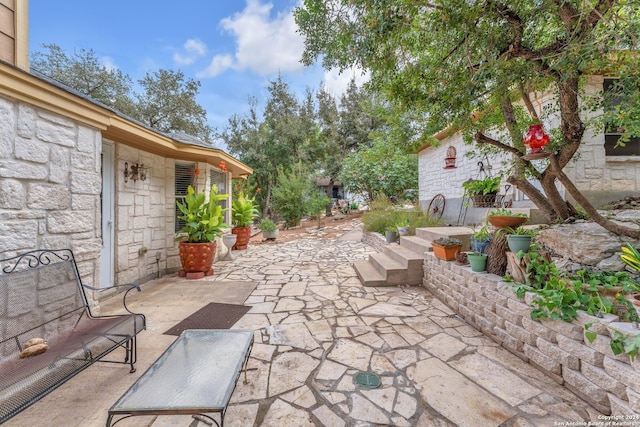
(25, 87)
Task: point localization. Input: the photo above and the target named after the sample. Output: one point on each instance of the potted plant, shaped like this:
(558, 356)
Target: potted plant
(403, 227)
(391, 234)
(204, 222)
(483, 192)
(631, 257)
(243, 212)
(519, 239)
(477, 261)
(506, 218)
(445, 248)
(480, 239)
(269, 229)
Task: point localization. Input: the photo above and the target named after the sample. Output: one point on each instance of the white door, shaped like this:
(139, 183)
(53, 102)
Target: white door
(108, 214)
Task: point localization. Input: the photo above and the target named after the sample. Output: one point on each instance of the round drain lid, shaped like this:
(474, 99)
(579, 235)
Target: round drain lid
(367, 380)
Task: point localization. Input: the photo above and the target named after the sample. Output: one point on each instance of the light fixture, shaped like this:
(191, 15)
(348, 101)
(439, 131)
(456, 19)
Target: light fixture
(135, 172)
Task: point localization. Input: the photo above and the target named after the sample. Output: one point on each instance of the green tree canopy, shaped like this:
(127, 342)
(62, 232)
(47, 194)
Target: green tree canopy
(472, 65)
(166, 103)
(83, 72)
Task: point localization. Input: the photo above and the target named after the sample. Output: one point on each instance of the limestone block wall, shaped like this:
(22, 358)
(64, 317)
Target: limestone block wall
(50, 184)
(610, 383)
(144, 215)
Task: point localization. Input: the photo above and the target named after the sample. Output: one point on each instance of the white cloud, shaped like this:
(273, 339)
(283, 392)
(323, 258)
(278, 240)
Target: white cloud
(194, 49)
(264, 44)
(109, 63)
(336, 83)
(219, 65)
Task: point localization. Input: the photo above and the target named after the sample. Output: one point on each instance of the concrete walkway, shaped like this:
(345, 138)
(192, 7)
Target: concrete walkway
(316, 327)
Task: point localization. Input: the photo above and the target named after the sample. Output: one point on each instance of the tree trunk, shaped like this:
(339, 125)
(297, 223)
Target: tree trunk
(329, 194)
(588, 207)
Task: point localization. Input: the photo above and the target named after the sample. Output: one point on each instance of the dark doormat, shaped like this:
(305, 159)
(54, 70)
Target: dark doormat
(211, 316)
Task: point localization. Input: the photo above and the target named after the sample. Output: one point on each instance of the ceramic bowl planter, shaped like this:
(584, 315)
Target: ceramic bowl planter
(519, 242)
(403, 230)
(478, 262)
(446, 248)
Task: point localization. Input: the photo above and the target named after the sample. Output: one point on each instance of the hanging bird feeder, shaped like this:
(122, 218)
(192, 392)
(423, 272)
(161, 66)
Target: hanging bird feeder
(534, 140)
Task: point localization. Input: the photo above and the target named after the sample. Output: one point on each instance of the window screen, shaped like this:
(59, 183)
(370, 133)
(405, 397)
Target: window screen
(184, 178)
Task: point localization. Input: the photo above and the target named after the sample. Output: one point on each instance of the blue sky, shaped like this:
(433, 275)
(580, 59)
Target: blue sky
(233, 47)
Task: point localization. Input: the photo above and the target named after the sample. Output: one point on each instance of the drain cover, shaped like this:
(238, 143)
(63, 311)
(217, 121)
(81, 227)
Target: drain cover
(367, 380)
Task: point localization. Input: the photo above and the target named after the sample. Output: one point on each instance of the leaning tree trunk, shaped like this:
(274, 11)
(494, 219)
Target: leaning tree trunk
(588, 207)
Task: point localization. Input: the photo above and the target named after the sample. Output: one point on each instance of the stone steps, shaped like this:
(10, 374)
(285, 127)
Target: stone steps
(402, 264)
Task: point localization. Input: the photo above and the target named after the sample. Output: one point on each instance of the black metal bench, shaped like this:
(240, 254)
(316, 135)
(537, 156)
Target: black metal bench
(42, 296)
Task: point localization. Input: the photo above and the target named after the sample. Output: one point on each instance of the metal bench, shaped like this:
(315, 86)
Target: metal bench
(42, 296)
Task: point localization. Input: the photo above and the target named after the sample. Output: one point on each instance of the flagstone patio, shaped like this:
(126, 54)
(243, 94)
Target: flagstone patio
(316, 327)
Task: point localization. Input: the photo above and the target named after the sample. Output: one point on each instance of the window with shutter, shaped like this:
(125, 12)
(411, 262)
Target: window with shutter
(220, 179)
(184, 178)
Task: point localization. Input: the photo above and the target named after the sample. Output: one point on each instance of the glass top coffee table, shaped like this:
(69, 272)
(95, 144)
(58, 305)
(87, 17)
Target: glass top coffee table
(196, 375)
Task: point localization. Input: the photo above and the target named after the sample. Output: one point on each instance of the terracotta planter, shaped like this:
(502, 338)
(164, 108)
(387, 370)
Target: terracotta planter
(244, 235)
(197, 257)
(506, 221)
(447, 253)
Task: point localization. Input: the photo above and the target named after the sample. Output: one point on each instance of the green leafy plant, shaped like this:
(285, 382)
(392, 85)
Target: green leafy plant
(447, 241)
(204, 220)
(484, 186)
(559, 296)
(267, 225)
(520, 231)
(243, 211)
(631, 256)
(506, 212)
(483, 234)
(620, 342)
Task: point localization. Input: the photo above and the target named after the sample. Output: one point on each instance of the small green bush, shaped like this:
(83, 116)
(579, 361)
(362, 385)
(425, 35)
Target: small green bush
(383, 215)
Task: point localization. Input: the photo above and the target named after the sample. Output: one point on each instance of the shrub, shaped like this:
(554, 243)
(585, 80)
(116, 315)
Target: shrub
(383, 215)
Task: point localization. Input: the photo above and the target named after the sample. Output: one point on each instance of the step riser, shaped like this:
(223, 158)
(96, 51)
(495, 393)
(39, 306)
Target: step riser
(418, 248)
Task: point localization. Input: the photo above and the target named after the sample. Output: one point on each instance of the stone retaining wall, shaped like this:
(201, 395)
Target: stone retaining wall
(610, 383)
(375, 240)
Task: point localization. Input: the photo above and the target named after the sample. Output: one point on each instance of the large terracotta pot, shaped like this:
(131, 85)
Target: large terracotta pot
(244, 235)
(197, 257)
(447, 253)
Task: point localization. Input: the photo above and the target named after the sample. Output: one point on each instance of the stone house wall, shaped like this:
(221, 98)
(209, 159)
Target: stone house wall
(50, 184)
(601, 178)
(610, 383)
(50, 196)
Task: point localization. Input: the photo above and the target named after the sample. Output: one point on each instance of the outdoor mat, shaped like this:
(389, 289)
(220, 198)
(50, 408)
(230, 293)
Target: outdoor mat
(211, 316)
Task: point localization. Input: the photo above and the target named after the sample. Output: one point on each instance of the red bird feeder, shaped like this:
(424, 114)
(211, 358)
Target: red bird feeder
(535, 139)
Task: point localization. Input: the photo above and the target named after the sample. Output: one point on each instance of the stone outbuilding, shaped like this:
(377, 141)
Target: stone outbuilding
(76, 174)
(600, 170)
